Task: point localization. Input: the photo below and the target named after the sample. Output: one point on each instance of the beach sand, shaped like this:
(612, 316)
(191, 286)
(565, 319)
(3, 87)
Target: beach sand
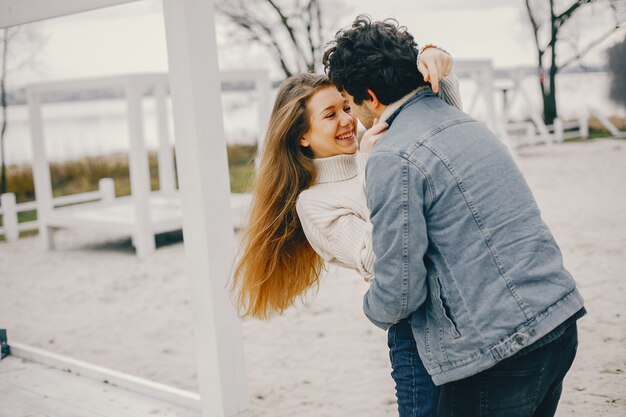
(92, 299)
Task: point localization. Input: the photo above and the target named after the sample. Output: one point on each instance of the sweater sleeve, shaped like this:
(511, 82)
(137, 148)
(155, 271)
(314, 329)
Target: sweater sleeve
(337, 234)
(449, 91)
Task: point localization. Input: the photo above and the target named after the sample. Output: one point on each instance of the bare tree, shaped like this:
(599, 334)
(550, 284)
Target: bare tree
(617, 68)
(292, 31)
(16, 52)
(547, 19)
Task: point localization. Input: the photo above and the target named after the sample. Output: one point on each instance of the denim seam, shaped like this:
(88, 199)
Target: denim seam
(484, 395)
(405, 240)
(446, 314)
(414, 390)
(533, 403)
(442, 346)
(395, 332)
(429, 354)
(432, 191)
(483, 229)
(438, 129)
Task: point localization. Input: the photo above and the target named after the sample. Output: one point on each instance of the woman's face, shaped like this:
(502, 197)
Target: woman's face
(333, 126)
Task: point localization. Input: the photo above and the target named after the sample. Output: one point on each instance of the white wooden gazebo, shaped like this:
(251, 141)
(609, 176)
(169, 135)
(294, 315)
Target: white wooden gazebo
(207, 227)
(144, 213)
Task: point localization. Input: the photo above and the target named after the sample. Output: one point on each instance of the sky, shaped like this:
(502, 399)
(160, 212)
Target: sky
(131, 37)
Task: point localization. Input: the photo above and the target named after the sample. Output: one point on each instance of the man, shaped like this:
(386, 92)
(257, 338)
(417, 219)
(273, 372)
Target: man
(462, 253)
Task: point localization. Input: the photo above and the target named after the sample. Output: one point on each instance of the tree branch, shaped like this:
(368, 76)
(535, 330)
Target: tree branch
(320, 36)
(259, 32)
(563, 17)
(285, 22)
(535, 26)
(593, 44)
(309, 33)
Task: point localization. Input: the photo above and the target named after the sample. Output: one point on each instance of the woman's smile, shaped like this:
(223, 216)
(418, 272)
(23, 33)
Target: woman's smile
(347, 137)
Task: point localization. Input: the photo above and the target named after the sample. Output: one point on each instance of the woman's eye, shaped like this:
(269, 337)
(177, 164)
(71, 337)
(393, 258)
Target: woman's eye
(330, 115)
(348, 109)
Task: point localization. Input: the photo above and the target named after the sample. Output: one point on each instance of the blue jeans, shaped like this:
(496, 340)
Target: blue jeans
(417, 395)
(527, 384)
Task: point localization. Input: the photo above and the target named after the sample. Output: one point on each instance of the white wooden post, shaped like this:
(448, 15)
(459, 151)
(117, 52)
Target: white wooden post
(559, 130)
(263, 90)
(143, 238)
(487, 88)
(207, 218)
(531, 133)
(584, 126)
(41, 170)
(9, 217)
(167, 175)
(471, 108)
(106, 186)
(537, 119)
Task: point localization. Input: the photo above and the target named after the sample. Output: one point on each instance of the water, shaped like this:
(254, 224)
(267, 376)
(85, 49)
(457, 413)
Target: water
(87, 128)
(77, 129)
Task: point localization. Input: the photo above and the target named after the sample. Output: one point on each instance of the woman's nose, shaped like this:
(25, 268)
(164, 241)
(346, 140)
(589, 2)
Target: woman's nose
(346, 119)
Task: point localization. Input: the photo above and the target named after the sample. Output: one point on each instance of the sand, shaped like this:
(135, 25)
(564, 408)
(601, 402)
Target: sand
(92, 299)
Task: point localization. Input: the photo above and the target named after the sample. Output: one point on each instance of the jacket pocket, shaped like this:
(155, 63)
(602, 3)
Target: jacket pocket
(444, 308)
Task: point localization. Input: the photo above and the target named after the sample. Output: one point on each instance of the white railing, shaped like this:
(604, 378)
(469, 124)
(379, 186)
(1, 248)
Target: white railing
(9, 210)
(528, 133)
(568, 130)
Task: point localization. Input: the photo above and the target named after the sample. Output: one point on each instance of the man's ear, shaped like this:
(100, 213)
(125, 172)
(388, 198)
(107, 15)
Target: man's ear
(373, 99)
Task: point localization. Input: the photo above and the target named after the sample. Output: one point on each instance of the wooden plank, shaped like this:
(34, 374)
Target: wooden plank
(11, 408)
(114, 378)
(117, 82)
(31, 225)
(204, 185)
(52, 392)
(76, 198)
(18, 12)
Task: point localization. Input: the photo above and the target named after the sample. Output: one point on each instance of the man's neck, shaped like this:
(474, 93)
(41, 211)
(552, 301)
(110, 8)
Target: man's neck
(392, 107)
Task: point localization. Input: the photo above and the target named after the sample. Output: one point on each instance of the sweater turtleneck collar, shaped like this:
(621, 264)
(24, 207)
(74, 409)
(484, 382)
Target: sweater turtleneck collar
(336, 168)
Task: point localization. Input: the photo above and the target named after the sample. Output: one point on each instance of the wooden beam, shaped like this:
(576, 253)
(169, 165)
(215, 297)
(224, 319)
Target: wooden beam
(18, 12)
(207, 218)
(132, 383)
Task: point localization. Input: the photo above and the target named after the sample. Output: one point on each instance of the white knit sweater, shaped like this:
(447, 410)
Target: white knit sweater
(334, 215)
(333, 212)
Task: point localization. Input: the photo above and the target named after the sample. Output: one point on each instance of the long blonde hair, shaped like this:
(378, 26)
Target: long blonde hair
(278, 264)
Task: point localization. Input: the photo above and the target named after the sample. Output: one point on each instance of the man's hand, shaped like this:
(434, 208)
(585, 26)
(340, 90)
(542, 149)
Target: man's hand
(371, 135)
(434, 64)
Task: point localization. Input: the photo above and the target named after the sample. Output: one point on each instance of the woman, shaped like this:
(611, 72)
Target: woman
(309, 207)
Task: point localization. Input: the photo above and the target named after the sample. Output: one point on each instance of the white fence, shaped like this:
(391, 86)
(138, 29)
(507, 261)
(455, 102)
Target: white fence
(9, 210)
(528, 133)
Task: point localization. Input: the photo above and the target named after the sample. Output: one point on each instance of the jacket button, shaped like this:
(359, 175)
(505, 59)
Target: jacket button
(532, 332)
(519, 339)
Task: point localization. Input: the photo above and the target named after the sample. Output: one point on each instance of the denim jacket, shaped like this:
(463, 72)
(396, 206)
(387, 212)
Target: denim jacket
(460, 244)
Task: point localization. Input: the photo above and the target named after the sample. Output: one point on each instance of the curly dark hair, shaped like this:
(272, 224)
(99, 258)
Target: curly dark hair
(381, 56)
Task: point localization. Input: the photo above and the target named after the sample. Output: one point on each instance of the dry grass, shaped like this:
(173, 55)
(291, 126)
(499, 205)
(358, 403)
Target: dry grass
(82, 175)
(595, 125)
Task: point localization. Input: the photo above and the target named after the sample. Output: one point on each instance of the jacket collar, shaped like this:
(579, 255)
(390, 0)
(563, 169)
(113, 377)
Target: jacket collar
(393, 109)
